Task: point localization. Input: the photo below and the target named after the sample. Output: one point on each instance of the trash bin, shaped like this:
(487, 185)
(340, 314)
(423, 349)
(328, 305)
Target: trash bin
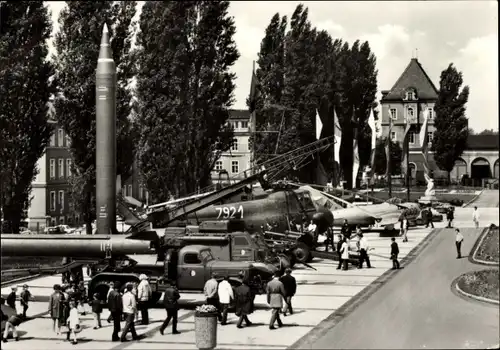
(205, 329)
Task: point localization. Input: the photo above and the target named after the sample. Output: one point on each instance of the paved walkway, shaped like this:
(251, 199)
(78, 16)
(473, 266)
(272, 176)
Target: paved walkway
(417, 308)
(487, 199)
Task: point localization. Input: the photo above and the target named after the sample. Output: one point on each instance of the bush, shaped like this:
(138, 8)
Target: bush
(484, 283)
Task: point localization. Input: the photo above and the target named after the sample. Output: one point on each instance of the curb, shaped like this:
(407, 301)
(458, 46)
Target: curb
(475, 248)
(494, 346)
(475, 297)
(355, 301)
(473, 199)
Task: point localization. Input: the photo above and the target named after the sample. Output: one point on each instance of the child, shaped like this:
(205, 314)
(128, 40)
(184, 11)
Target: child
(394, 254)
(11, 298)
(25, 298)
(404, 228)
(12, 323)
(73, 322)
(96, 310)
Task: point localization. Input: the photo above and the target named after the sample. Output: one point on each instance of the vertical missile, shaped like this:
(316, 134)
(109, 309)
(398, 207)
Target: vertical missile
(105, 138)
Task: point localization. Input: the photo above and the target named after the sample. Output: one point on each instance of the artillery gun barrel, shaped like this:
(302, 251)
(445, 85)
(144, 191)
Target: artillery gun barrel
(72, 246)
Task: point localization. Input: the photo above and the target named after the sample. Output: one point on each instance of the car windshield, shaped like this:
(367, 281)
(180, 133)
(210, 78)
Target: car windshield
(206, 255)
(306, 201)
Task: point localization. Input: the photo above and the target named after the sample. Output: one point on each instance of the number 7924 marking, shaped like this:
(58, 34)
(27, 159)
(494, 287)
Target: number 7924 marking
(229, 212)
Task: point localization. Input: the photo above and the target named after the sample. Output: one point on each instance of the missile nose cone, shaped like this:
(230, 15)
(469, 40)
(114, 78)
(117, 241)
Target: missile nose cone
(105, 49)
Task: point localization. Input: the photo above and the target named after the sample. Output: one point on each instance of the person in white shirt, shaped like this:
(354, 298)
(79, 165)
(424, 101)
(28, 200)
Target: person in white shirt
(225, 292)
(459, 238)
(73, 321)
(363, 252)
(475, 217)
(143, 296)
(129, 310)
(210, 291)
(344, 251)
(404, 228)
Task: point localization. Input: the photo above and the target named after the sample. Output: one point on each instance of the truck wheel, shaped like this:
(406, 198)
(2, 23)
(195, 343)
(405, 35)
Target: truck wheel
(302, 253)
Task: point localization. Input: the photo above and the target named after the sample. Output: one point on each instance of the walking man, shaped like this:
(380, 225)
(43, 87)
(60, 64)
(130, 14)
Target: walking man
(115, 306)
(394, 254)
(25, 298)
(459, 238)
(243, 298)
(290, 286)
(225, 292)
(363, 251)
(450, 217)
(129, 309)
(346, 230)
(11, 324)
(475, 217)
(144, 295)
(344, 250)
(171, 306)
(210, 291)
(339, 248)
(275, 293)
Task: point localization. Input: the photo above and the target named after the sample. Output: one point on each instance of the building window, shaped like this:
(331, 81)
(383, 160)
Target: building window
(394, 113)
(236, 125)
(68, 167)
(410, 95)
(52, 140)
(393, 136)
(61, 220)
(430, 113)
(52, 168)
(411, 137)
(244, 125)
(129, 191)
(430, 135)
(68, 141)
(77, 219)
(52, 200)
(60, 165)
(60, 138)
(234, 146)
(235, 168)
(218, 165)
(410, 114)
(61, 200)
(52, 222)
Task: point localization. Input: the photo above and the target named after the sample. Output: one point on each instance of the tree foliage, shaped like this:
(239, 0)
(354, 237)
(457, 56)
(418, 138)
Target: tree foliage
(304, 70)
(450, 136)
(77, 45)
(488, 132)
(381, 158)
(185, 89)
(25, 89)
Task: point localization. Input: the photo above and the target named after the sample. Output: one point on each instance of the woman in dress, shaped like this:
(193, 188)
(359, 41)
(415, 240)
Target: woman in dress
(56, 308)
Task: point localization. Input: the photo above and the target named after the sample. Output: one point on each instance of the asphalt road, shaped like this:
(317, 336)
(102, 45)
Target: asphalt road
(417, 308)
(487, 199)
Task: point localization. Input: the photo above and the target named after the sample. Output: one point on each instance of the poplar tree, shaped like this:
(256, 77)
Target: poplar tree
(450, 137)
(77, 49)
(185, 90)
(25, 90)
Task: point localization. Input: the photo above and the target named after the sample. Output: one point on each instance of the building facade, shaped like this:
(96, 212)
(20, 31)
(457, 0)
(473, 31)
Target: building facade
(412, 95)
(237, 159)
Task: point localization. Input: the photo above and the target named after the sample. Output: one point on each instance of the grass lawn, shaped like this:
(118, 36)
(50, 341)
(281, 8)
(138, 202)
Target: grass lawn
(489, 250)
(484, 283)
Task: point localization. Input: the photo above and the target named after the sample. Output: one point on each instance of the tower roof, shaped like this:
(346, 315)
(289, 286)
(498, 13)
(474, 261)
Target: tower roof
(414, 76)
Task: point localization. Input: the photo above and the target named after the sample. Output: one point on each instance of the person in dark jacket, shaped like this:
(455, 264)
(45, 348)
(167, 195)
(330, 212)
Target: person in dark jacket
(394, 254)
(450, 215)
(428, 218)
(290, 289)
(170, 302)
(25, 298)
(11, 298)
(339, 248)
(115, 308)
(12, 323)
(96, 305)
(56, 308)
(244, 302)
(346, 230)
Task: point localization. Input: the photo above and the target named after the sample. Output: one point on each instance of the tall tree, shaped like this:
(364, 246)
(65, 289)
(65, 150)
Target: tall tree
(488, 132)
(450, 137)
(185, 89)
(270, 79)
(25, 89)
(77, 46)
(358, 82)
(381, 160)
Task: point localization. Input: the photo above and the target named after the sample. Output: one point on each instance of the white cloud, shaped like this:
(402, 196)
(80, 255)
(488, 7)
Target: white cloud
(331, 27)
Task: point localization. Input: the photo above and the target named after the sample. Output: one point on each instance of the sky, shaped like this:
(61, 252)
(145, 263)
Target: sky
(438, 33)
